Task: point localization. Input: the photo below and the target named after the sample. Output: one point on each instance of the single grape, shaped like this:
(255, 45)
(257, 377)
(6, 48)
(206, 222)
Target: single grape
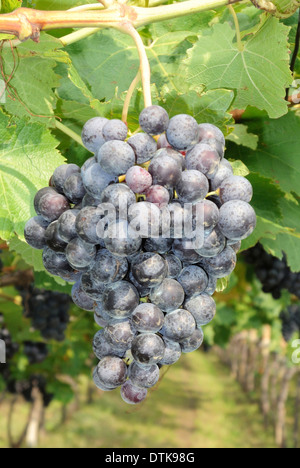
(99, 384)
(121, 240)
(131, 394)
(148, 349)
(86, 224)
(52, 205)
(174, 266)
(158, 195)
(149, 269)
(144, 218)
(160, 245)
(40, 194)
(179, 324)
(225, 170)
(192, 187)
(108, 268)
(93, 288)
(172, 154)
(193, 342)
(120, 196)
(154, 120)
(95, 180)
(103, 348)
(237, 220)
(143, 377)
(115, 129)
(182, 249)
(92, 135)
(80, 254)
(194, 280)
(120, 334)
(112, 371)
(202, 307)
(236, 188)
(206, 214)
(147, 318)
(66, 225)
(203, 158)
(61, 174)
(144, 147)
(53, 239)
(210, 132)
(138, 179)
(222, 265)
(120, 299)
(80, 298)
(74, 188)
(172, 352)
(213, 244)
(34, 232)
(165, 171)
(183, 132)
(168, 296)
(115, 157)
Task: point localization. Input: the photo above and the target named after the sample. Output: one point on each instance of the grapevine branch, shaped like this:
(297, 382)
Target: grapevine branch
(26, 23)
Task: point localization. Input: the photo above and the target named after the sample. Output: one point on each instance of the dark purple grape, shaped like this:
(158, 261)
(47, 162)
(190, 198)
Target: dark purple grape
(222, 265)
(115, 157)
(182, 248)
(193, 187)
(148, 349)
(237, 220)
(40, 194)
(174, 266)
(52, 205)
(120, 299)
(81, 299)
(225, 170)
(112, 371)
(236, 188)
(142, 376)
(168, 296)
(115, 129)
(103, 348)
(149, 269)
(120, 197)
(165, 171)
(121, 240)
(144, 147)
(193, 342)
(74, 188)
(34, 232)
(93, 288)
(138, 179)
(133, 395)
(202, 307)
(183, 132)
(194, 280)
(120, 334)
(210, 132)
(158, 195)
(179, 324)
(53, 239)
(61, 174)
(154, 120)
(86, 224)
(213, 244)
(205, 213)
(80, 254)
(108, 268)
(92, 135)
(203, 158)
(147, 318)
(66, 226)
(95, 180)
(56, 263)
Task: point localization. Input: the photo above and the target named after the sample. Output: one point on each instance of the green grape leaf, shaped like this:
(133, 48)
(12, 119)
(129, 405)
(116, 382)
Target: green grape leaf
(28, 157)
(277, 154)
(10, 5)
(30, 91)
(239, 168)
(54, 4)
(240, 136)
(259, 73)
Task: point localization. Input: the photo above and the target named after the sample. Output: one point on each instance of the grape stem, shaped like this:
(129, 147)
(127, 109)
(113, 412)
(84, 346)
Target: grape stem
(144, 62)
(69, 132)
(129, 94)
(237, 27)
(27, 23)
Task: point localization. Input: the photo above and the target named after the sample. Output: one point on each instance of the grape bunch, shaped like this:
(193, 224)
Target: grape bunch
(144, 230)
(36, 352)
(290, 319)
(48, 311)
(274, 274)
(25, 388)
